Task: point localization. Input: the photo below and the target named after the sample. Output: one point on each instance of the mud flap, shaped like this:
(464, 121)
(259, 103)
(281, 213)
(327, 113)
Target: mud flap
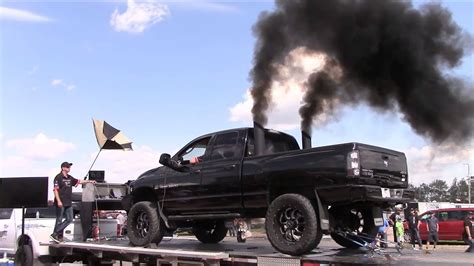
(378, 216)
(323, 214)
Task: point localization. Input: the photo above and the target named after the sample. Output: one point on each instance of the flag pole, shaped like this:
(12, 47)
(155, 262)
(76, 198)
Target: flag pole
(87, 175)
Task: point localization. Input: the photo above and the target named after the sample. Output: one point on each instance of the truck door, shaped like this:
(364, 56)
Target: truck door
(182, 188)
(220, 185)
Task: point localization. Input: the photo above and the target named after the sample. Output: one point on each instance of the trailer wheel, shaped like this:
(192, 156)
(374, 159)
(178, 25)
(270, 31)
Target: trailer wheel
(292, 225)
(24, 255)
(356, 226)
(144, 225)
(210, 231)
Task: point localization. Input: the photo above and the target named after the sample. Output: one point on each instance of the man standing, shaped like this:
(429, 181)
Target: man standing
(393, 220)
(413, 224)
(432, 227)
(469, 231)
(63, 183)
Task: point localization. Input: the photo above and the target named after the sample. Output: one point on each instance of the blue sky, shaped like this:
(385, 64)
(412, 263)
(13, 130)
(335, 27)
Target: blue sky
(163, 77)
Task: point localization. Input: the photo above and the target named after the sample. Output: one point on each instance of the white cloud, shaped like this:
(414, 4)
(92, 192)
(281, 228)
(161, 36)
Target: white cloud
(61, 83)
(57, 82)
(444, 161)
(121, 166)
(138, 16)
(286, 92)
(21, 15)
(210, 6)
(39, 147)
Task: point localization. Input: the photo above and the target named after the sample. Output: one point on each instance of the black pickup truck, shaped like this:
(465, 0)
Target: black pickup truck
(261, 173)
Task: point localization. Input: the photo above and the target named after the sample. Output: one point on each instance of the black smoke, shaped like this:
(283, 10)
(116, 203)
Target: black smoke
(393, 57)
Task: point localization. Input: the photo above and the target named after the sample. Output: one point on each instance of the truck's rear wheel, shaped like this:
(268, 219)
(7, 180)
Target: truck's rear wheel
(24, 256)
(210, 231)
(292, 225)
(353, 227)
(144, 224)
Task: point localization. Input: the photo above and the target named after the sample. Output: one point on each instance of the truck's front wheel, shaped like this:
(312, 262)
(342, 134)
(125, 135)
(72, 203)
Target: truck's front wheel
(292, 225)
(144, 224)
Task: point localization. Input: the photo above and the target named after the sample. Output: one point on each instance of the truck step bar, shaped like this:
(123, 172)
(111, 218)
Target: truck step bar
(203, 216)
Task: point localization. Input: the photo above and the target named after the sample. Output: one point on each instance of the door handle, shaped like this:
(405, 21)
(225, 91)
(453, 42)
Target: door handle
(230, 167)
(198, 171)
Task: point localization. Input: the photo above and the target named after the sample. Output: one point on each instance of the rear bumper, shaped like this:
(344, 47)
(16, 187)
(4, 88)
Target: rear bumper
(344, 194)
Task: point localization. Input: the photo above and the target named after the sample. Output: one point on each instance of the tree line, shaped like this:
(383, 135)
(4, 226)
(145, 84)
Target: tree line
(439, 191)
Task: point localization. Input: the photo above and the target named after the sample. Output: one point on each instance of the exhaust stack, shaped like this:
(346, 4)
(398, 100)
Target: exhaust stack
(305, 140)
(259, 138)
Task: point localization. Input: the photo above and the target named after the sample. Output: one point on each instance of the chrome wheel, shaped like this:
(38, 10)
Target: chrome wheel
(292, 224)
(143, 224)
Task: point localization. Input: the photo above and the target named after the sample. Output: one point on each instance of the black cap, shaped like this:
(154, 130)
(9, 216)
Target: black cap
(66, 164)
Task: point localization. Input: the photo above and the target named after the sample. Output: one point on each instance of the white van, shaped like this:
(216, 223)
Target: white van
(39, 225)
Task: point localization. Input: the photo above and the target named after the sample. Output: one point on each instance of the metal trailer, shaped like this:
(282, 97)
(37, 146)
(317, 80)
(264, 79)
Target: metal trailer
(189, 251)
(178, 253)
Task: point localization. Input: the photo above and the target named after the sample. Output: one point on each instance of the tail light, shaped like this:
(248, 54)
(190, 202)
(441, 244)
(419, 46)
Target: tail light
(353, 163)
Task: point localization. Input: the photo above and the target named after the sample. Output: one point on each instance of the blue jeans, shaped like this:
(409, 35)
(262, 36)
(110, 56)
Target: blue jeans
(471, 246)
(63, 213)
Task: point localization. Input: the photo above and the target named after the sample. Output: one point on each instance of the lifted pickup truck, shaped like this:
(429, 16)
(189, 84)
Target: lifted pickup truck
(260, 173)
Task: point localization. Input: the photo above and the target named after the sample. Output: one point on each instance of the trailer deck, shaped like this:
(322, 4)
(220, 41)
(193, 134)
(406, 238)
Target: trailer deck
(256, 251)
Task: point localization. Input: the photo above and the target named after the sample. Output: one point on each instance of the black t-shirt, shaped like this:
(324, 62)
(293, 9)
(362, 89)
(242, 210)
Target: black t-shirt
(64, 186)
(468, 223)
(413, 221)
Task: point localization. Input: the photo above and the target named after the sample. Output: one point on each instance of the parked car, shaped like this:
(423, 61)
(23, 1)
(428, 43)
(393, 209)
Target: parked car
(451, 223)
(39, 224)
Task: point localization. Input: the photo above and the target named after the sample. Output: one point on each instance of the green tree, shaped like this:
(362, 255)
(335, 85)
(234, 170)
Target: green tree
(438, 191)
(422, 192)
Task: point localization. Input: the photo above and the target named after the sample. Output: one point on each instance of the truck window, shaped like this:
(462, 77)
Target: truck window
(274, 142)
(196, 149)
(5, 213)
(225, 146)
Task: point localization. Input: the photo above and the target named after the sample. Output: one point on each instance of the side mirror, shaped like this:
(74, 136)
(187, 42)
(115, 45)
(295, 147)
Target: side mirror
(165, 159)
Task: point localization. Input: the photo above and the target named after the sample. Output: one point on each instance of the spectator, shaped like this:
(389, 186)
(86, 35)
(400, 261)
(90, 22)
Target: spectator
(392, 220)
(63, 183)
(399, 230)
(413, 227)
(382, 234)
(432, 227)
(469, 231)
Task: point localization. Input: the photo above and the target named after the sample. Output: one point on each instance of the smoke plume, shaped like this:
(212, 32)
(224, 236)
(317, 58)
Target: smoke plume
(391, 56)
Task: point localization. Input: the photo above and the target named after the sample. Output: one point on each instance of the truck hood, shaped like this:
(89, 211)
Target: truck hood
(149, 172)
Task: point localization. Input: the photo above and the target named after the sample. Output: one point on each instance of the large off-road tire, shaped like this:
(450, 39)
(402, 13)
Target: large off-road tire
(144, 224)
(210, 231)
(359, 224)
(292, 225)
(24, 255)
